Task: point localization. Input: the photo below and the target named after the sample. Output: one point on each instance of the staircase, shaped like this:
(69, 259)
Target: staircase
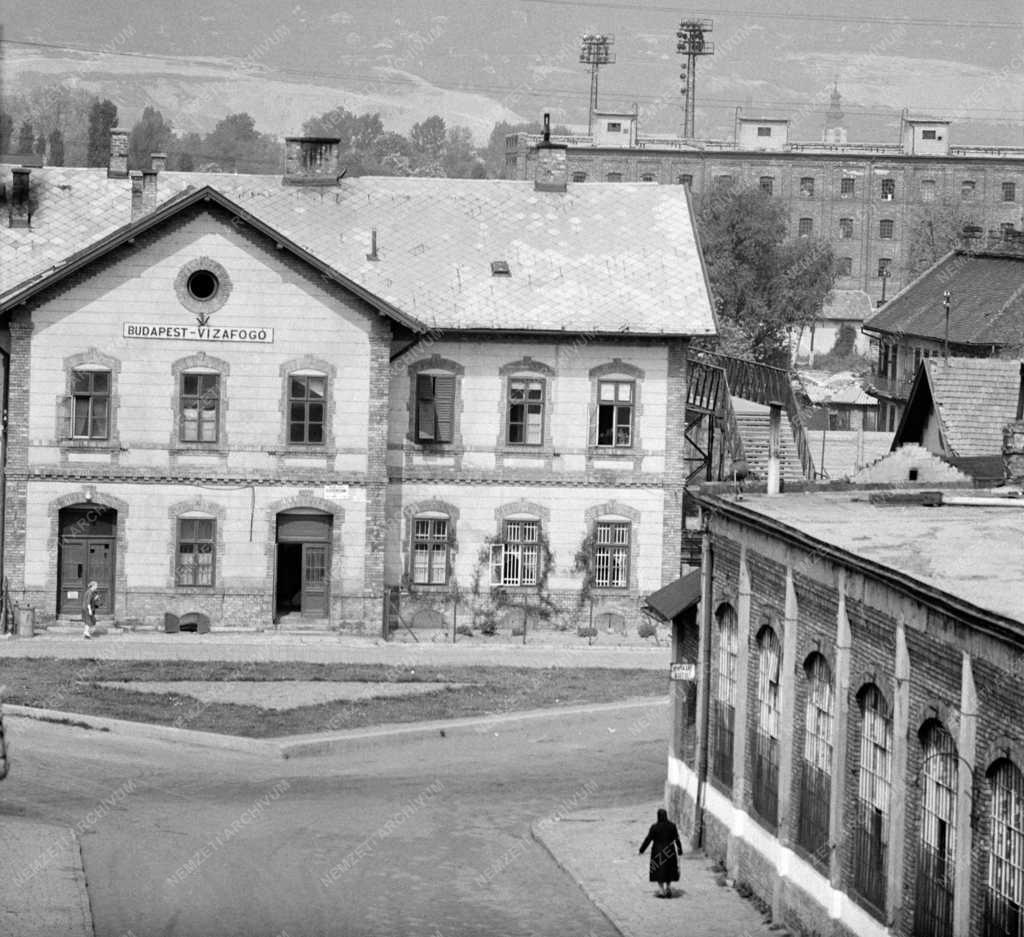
(752, 422)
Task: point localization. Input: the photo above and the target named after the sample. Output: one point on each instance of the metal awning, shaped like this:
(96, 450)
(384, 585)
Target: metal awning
(675, 598)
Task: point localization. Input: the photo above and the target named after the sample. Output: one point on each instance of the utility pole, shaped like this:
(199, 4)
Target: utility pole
(691, 43)
(946, 297)
(596, 51)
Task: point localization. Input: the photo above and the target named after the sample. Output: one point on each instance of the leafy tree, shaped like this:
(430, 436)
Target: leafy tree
(6, 131)
(494, 153)
(764, 284)
(935, 228)
(235, 145)
(40, 145)
(428, 138)
(56, 141)
(183, 152)
(151, 134)
(102, 118)
(460, 159)
(26, 137)
(359, 136)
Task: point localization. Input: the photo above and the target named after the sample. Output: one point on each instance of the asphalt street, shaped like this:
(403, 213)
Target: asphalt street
(404, 837)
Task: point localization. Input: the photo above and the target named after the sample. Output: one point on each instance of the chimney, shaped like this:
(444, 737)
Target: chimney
(117, 168)
(158, 161)
(311, 160)
(1013, 441)
(148, 190)
(552, 170)
(774, 436)
(137, 210)
(20, 208)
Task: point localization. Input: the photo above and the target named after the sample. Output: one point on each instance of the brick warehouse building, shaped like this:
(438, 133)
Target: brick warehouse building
(852, 748)
(270, 399)
(868, 200)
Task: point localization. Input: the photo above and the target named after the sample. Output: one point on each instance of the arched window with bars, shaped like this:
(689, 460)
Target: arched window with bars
(816, 769)
(933, 908)
(1004, 892)
(723, 702)
(871, 818)
(765, 776)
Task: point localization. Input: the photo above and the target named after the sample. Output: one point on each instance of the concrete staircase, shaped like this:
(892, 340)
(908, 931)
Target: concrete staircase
(752, 422)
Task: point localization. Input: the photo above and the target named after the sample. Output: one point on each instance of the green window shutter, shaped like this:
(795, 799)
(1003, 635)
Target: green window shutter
(424, 407)
(444, 406)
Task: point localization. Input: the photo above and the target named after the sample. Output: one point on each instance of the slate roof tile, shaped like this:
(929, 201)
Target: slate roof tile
(600, 257)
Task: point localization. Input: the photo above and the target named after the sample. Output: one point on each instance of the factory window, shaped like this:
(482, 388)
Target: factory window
(846, 188)
(723, 703)
(1009, 192)
(615, 127)
(765, 780)
(685, 179)
(871, 820)
(936, 862)
(884, 263)
(844, 267)
(767, 184)
(807, 186)
(764, 131)
(885, 228)
(1004, 895)
(805, 227)
(846, 228)
(723, 180)
(888, 190)
(927, 190)
(816, 769)
(927, 134)
(647, 177)
(967, 190)
(579, 177)
(613, 177)
(196, 549)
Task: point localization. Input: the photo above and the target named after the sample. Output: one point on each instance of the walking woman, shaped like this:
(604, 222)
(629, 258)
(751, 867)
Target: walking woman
(665, 847)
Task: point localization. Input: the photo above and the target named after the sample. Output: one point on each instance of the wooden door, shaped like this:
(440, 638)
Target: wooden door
(314, 580)
(81, 560)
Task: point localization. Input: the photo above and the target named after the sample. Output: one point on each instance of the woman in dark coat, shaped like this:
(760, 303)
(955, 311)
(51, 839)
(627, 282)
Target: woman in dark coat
(665, 847)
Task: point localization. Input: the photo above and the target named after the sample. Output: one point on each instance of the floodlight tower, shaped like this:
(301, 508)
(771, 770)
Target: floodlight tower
(596, 51)
(691, 43)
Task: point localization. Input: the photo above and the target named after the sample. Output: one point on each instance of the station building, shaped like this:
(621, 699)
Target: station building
(851, 743)
(274, 400)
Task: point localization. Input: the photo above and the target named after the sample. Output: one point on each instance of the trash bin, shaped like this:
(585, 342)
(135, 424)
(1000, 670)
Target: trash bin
(25, 615)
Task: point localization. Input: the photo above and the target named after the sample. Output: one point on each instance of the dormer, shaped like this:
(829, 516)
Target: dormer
(923, 137)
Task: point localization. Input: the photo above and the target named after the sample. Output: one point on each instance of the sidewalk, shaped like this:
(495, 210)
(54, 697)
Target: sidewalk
(46, 900)
(598, 848)
(550, 649)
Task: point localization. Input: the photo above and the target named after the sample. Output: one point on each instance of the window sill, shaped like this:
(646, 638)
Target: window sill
(614, 452)
(306, 451)
(429, 587)
(92, 445)
(193, 590)
(526, 451)
(208, 448)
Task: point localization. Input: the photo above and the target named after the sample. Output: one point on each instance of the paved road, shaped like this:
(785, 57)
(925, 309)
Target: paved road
(428, 837)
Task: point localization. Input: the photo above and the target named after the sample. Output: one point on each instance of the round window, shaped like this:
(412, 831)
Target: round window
(203, 285)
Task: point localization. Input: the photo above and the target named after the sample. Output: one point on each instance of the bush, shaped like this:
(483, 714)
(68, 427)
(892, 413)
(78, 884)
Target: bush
(646, 629)
(487, 622)
(464, 630)
(586, 631)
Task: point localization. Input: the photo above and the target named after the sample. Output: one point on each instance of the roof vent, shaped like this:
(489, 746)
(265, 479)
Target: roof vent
(552, 172)
(500, 268)
(20, 207)
(311, 160)
(117, 167)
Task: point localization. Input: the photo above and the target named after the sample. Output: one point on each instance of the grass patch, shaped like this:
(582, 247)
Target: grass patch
(74, 686)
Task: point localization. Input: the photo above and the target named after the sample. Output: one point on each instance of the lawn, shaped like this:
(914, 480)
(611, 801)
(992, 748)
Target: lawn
(74, 686)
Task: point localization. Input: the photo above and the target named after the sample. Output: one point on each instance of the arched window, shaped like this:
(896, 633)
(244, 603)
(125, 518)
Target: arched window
(307, 407)
(816, 771)
(1004, 894)
(723, 700)
(765, 780)
(197, 548)
(516, 559)
(933, 910)
(431, 539)
(871, 820)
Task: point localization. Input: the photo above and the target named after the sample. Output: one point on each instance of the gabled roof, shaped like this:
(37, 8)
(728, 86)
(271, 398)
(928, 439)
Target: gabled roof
(972, 399)
(986, 301)
(597, 258)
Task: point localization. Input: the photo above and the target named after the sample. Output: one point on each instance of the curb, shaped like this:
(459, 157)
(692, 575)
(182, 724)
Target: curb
(594, 899)
(82, 883)
(322, 743)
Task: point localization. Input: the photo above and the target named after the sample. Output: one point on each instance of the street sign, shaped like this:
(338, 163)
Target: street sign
(685, 670)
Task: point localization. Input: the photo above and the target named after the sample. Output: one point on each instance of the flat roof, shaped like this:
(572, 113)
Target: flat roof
(974, 554)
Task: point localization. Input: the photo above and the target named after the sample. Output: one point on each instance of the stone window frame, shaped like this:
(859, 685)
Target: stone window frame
(579, 176)
(845, 229)
(191, 509)
(435, 364)
(844, 266)
(847, 187)
(929, 190)
(1009, 192)
(805, 227)
(307, 366)
(766, 184)
(886, 229)
(617, 512)
(200, 363)
(91, 360)
(526, 511)
(807, 186)
(530, 368)
(622, 371)
(887, 188)
(435, 509)
(968, 190)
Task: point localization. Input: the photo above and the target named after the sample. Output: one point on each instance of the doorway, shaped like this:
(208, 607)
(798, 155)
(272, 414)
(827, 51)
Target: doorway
(303, 563)
(85, 552)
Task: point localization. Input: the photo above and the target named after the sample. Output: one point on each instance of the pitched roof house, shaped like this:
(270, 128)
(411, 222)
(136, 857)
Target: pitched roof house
(278, 398)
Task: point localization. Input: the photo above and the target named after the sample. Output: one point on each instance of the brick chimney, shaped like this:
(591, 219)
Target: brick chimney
(20, 207)
(117, 168)
(136, 178)
(552, 170)
(311, 160)
(158, 162)
(149, 198)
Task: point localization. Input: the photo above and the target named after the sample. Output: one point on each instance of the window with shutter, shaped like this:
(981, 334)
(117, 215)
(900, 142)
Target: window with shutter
(435, 407)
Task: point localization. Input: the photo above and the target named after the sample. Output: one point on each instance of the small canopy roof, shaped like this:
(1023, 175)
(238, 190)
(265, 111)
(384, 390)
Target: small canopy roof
(672, 600)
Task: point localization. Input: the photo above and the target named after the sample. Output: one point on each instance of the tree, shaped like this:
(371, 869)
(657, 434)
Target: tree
(183, 152)
(56, 147)
(235, 145)
(40, 146)
(428, 138)
(151, 134)
(764, 284)
(460, 159)
(102, 119)
(359, 137)
(494, 153)
(26, 138)
(935, 228)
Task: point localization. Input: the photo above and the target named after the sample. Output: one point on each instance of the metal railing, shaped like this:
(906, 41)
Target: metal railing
(895, 388)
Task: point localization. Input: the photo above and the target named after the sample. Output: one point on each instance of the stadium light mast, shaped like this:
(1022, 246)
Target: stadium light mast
(595, 52)
(692, 42)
